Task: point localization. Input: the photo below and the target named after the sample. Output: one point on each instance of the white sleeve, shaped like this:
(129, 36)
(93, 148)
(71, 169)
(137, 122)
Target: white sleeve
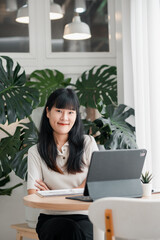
(34, 167)
(90, 146)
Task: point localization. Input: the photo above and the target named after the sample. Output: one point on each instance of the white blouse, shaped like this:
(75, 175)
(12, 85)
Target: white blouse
(37, 169)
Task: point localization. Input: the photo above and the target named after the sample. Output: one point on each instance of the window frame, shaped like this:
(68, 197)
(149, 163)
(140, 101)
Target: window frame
(74, 55)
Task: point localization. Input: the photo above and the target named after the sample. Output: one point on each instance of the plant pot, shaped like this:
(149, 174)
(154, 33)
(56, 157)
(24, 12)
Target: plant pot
(101, 147)
(31, 214)
(147, 189)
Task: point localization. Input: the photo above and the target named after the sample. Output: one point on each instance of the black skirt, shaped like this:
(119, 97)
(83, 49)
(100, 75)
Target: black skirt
(64, 227)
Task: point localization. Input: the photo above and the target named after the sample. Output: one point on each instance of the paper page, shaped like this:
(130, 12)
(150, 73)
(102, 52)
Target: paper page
(60, 192)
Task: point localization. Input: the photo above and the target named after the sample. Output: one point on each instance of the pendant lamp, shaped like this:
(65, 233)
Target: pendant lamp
(22, 14)
(76, 30)
(55, 11)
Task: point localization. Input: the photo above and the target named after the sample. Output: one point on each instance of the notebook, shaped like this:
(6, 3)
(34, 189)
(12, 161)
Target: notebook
(114, 173)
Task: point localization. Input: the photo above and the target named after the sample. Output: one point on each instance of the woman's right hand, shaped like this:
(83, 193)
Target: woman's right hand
(41, 185)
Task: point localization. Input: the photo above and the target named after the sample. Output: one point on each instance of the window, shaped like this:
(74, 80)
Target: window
(14, 36)
(95, 15)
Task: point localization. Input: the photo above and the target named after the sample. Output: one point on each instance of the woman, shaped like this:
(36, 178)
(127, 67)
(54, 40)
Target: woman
(60, 160)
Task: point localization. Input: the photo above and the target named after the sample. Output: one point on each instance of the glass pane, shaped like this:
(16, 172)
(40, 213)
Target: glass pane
(14, 36)
(95, 15)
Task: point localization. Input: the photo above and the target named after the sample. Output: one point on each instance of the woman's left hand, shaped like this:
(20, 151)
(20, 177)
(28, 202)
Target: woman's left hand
(41, 185)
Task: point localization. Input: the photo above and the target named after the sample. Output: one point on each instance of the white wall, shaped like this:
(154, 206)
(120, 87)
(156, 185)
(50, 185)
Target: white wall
(11, 210)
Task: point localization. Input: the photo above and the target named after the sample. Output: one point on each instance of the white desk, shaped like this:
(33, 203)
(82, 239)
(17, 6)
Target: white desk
(60, 203)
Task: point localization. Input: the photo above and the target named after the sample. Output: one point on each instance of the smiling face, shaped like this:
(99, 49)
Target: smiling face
(61, 120)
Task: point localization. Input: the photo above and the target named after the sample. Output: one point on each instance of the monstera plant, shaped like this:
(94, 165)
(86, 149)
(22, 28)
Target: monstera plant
(100, 82)
(97, 88)
(16, 103)
(18, 98)
(46, 81)
(112, 129)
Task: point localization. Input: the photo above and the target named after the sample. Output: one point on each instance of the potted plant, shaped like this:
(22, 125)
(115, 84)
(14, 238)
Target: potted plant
(112, 129)
(146, 183)
(97, 89)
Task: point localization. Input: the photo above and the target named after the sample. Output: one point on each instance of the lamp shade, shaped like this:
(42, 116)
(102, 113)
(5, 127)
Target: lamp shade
(22, 15)
(80, 6)
(55, 11)
(76, 30)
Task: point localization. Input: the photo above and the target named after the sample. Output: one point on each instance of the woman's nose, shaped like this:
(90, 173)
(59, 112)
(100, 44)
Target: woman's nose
(64, 116)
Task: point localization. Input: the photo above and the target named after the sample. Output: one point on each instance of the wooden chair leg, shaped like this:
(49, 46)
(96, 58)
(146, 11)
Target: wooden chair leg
(109, 224)
(19, 236)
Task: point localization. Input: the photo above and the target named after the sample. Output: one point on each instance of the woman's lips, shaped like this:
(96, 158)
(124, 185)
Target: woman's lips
(63, 124)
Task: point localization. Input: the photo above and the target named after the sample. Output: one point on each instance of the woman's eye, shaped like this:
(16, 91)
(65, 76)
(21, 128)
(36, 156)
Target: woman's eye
(58, 110)
(71, 112)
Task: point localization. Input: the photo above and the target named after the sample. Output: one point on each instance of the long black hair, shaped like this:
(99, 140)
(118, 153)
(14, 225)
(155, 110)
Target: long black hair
(63, 98)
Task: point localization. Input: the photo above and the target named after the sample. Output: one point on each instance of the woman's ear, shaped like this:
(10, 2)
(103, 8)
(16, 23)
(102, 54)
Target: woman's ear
(47, 112)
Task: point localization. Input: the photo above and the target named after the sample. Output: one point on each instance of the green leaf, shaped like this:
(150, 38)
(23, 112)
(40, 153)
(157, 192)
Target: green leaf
(97, 83)
(46, 81)
(113, 131)
(102, 6)
(14, 149)
(17, 100)
(4, 179)
(8, 191)
(7, 150)
(146, 177)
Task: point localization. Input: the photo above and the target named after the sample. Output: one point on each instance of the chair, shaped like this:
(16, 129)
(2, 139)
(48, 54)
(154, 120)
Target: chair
(132, 218)
(24, 231)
